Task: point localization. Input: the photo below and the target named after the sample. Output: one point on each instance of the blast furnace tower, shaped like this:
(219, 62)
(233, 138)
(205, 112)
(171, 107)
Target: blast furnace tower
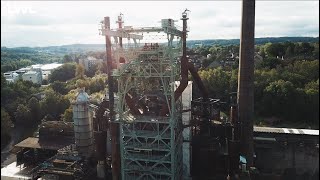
(146, 66)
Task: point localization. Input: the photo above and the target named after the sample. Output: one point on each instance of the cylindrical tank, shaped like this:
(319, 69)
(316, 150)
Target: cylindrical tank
(83, 129)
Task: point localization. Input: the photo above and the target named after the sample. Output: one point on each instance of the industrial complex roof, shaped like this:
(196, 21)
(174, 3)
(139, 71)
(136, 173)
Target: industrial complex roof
(287, 130)
(50, 66)
(32, 142)
(30, 72)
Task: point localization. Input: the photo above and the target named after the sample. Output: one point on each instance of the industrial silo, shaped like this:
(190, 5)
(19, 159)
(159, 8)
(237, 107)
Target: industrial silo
(83, 128)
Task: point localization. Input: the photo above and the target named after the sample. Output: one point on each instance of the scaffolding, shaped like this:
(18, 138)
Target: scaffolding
(147, 70)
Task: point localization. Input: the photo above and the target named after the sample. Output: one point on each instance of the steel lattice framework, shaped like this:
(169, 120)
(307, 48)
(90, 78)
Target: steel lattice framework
(150, 144)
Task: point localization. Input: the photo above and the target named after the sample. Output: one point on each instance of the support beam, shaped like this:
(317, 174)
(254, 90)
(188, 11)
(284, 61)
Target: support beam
(114, 127)
(245, 97)
(186, 66)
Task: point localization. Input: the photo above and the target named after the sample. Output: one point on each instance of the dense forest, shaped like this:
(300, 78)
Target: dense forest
(15, 58)
(26, 104)
(258, 41)
(286, 83)
(286, 80)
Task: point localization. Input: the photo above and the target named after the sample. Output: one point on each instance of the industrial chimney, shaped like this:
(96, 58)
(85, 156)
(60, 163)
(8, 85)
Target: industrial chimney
(245, 97)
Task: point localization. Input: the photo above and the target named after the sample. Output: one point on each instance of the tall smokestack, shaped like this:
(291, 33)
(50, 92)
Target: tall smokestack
(245, 97)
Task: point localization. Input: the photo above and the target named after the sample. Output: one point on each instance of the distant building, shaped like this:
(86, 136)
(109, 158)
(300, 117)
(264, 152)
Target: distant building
(11, 76)
(196, 60)
(33, 76)
(48, 68)
(89, 62)
(23, 70)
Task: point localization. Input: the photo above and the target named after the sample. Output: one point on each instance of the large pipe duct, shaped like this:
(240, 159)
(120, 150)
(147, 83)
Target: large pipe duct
(198, 81)
(114, 127)
(186, 66)
(184, 60)
(245, 97)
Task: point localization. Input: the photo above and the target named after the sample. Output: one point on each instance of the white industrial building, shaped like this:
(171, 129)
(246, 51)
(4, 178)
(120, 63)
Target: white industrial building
(34, 76)
(48, 68)
(35, 73)
(23, 70)
(38, 72)
(11, 76)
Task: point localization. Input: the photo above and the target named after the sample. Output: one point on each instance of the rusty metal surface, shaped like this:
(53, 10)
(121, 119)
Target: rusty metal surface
(131, 104)
(53, 144)
(245, 97)
(114, 126)
(115, 152)
(101, 143)
(198, 80)
(185, 68)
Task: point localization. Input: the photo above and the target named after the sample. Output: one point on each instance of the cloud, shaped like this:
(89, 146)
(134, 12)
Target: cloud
(44, 23)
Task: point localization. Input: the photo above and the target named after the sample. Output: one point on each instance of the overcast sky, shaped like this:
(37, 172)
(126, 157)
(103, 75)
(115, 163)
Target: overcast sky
(51, 23)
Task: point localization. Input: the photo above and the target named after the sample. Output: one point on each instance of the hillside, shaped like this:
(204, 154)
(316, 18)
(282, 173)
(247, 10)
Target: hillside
(82, 48)
(258, 41)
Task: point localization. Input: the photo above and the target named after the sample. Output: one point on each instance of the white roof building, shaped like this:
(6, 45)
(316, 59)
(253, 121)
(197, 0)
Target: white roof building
(11, 76)
(48, 68)
(33, 76)
(32, 72)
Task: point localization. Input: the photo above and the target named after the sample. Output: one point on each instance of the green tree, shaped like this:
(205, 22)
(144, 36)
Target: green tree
(311, 107)
(68, 115)
(275, 49)
(3, 81)
(297, 49)
(308, 69)
(5, 127)
(63, 73)
(297, 79)
(23, 115)
(262, 52)
(97, 83)
(262, 78)
(289, 51)
(315, 51)
(217, 82)
(67, 58)
(82, 83)
(54, 104)
(306, 48)
(270, 62)
(34, 106)
(59, 87)
(279, 99)
(80, 71)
